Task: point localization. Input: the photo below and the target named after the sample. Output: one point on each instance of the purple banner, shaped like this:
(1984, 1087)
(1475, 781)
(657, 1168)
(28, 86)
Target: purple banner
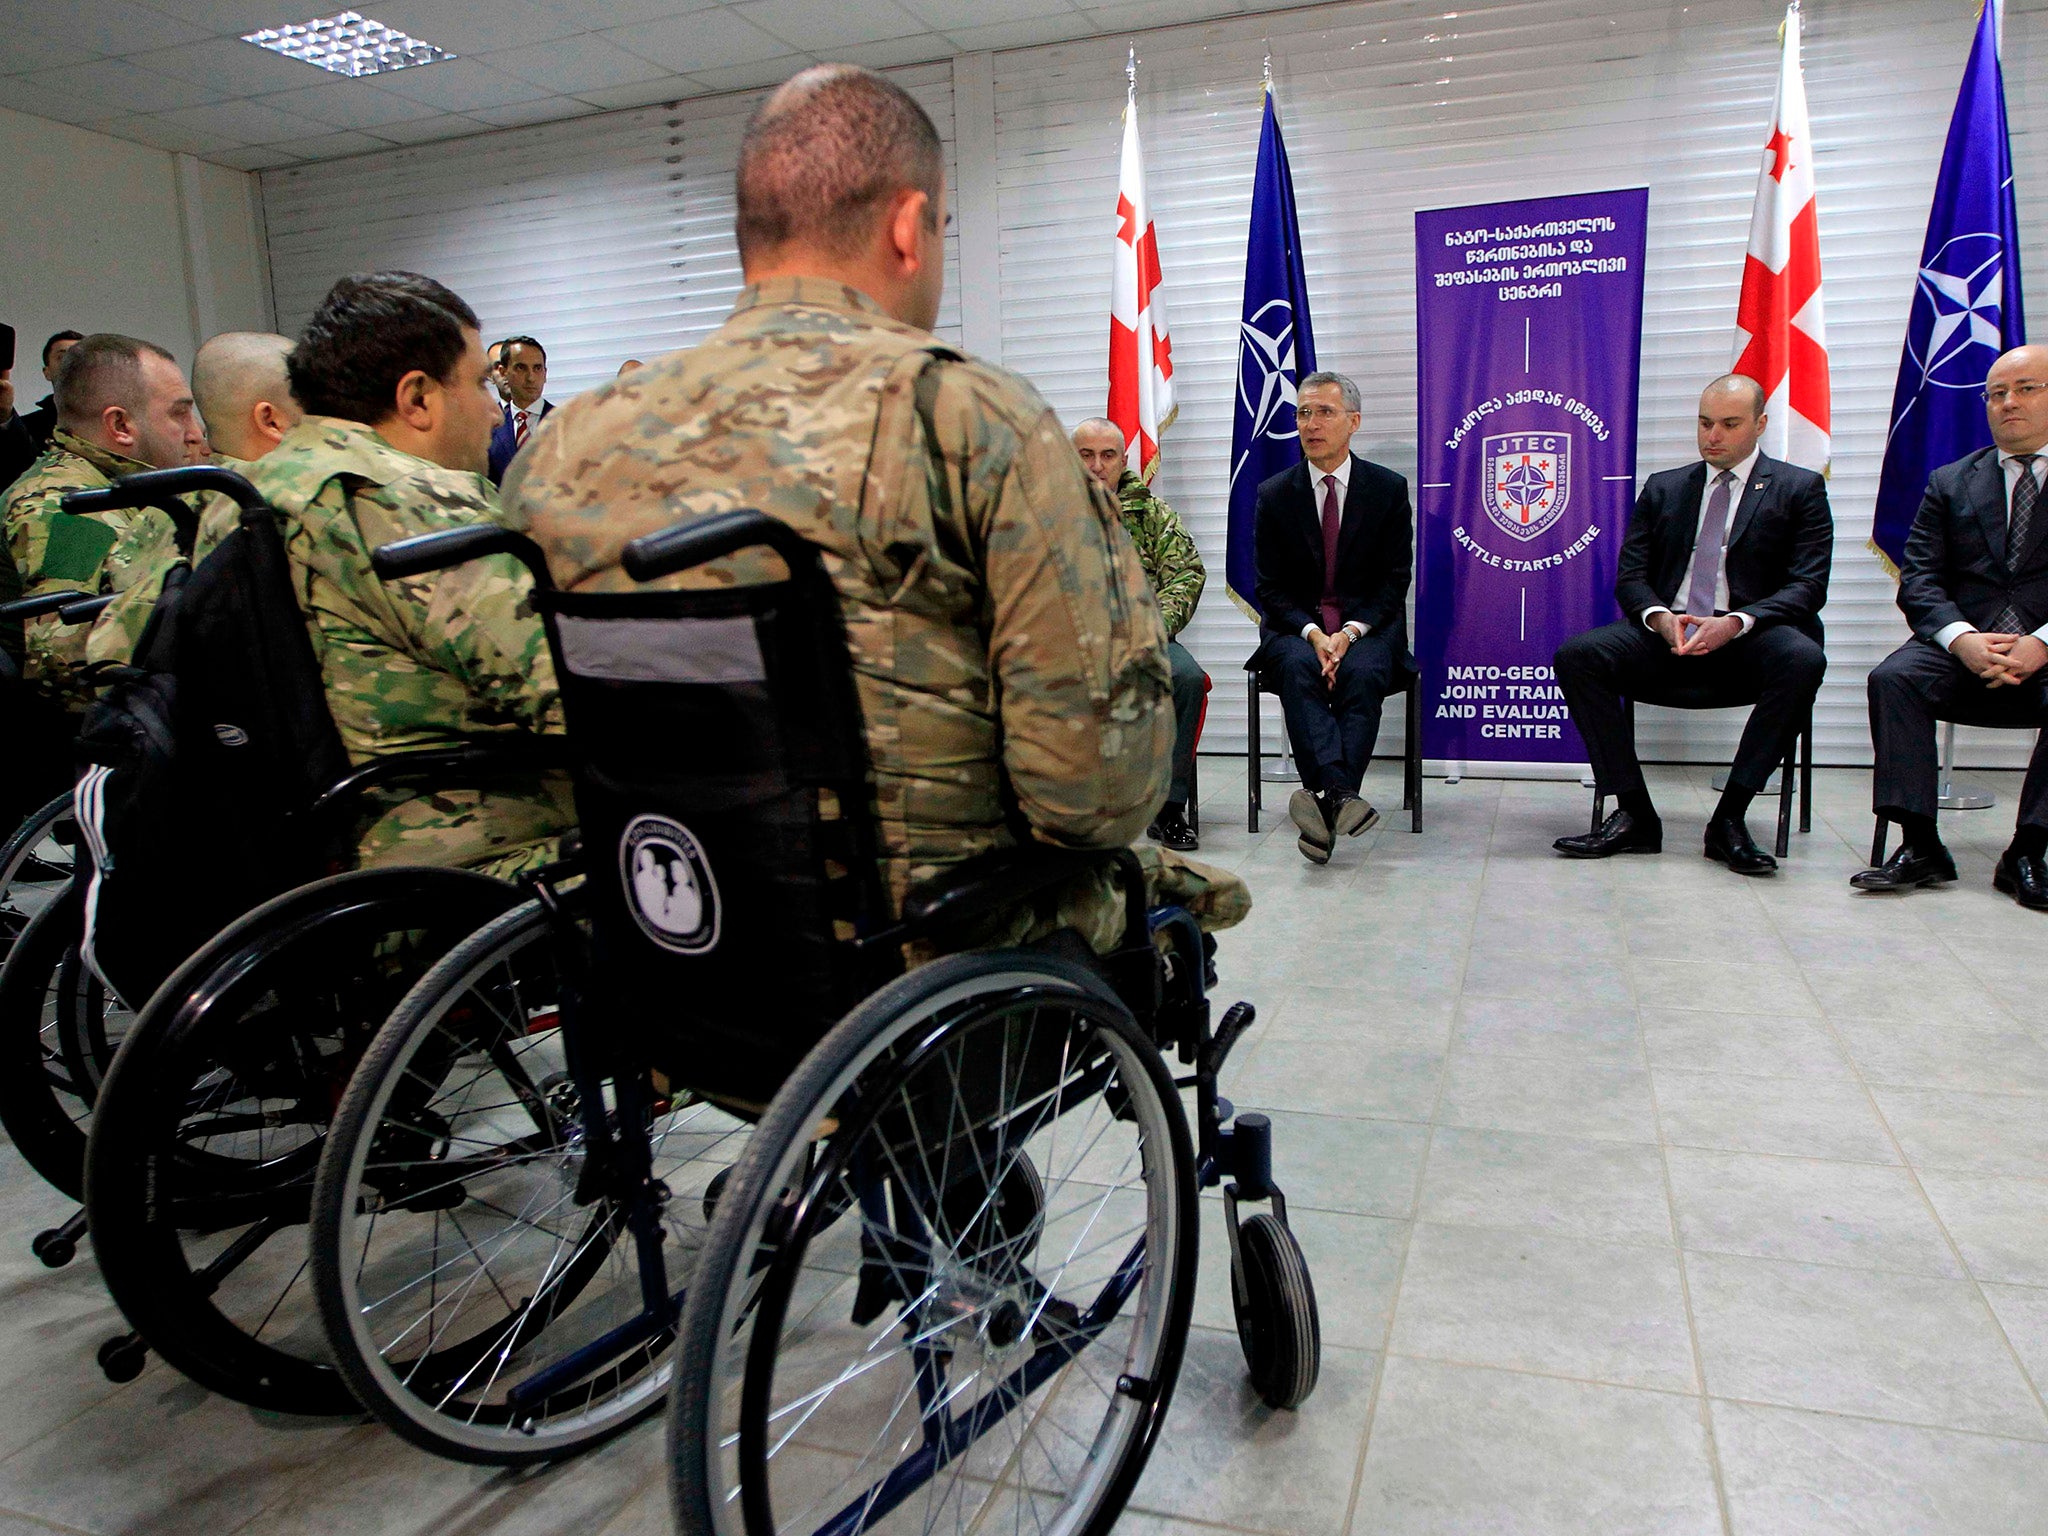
(1529, 320)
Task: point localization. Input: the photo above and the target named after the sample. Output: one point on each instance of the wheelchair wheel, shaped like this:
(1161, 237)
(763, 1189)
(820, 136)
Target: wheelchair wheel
(35, 862)
(200, 1169)
(91, 1024)
(949, 1285)
(1277, 1322)
(474, 1269)
(46, 1096)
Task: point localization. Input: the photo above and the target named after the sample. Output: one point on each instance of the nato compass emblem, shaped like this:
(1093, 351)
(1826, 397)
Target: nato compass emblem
(1265, 369)
(1955, 334)
(1528, 480)
(668, 884)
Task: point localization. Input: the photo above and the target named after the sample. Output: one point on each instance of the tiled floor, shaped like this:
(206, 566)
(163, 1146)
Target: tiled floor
(1639, 1197)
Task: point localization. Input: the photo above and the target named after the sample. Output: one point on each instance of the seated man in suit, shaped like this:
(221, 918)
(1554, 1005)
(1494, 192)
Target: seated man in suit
(523, 365)
(1974, 586)
(1723, 573)
(1334, 545)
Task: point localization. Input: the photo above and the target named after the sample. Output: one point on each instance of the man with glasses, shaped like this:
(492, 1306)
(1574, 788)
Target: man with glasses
(1333, 541)
(1974, 586)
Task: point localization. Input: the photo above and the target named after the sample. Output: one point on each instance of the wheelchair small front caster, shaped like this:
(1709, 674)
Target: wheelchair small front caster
(122, 1359)
(58, 1246)
(1277, 1322)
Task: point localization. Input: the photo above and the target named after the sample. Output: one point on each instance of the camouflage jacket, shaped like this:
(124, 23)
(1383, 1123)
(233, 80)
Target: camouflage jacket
(57, 551)
(1001, 629)
(1171, 560)
(418, 663)
(147, 551)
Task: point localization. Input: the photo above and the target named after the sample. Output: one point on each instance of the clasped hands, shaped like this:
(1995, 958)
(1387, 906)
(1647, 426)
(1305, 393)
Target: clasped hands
(1330, 650)
(2003, 661)
(1689, 635)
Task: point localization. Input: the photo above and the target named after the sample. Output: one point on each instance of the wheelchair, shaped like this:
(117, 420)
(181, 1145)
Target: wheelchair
(911, 1247)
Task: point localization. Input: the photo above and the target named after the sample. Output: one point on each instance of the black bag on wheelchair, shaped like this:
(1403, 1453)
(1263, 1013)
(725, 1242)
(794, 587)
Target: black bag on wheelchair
(202, 759)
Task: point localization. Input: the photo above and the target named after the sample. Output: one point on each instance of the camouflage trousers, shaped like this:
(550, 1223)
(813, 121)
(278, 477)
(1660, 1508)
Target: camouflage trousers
(502, 831)
(1094, 907)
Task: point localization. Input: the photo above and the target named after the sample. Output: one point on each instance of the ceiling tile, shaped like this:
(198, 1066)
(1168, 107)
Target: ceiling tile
(647, 92)
(445, 125)
(246, 122)
(122, 87)
(745, 77)
(807, 25)
(231, 18)
(549, 109)
(921, 49)
(345, 104)
(21, 95)
(24, 48)
(595, 15)
(574, 65)
(261, 158)
(110, 26)
(692, 44)
(472, 26)
(229, 66)
(457, 85)
(332, 146)
(1128, 15)
(158, 133)
(950, 15)
(1022, 34)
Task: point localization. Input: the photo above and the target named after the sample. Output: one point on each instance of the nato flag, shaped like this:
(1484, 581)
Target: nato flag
(1275, 347)
(1966, 304)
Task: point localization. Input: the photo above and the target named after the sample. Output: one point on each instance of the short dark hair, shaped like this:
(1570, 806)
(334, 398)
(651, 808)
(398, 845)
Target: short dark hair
(371, 330)
(824, 151)
(102, 370)
(60, 336)
(524, 341)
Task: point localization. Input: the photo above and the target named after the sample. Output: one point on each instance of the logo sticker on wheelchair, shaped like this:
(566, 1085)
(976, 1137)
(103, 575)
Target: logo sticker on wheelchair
(669, 886)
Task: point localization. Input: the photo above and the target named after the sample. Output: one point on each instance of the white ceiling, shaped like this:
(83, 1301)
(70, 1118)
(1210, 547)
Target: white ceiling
(174, 73)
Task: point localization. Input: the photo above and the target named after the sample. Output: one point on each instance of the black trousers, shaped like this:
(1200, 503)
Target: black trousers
(1190, 687)
(1920, 683)
(1778, 670)
(1332, 728)
(36, 760)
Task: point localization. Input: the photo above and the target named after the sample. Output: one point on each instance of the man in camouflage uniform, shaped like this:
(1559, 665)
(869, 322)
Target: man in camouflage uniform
(391, 374)
(1004, 639)
(1174, 567)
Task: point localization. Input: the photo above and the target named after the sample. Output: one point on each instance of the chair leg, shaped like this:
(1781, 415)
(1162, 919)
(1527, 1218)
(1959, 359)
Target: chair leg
(1195, 796)
(1806, 777)
(1877, 842)
(1251, 752)
(1785, 793)
(1411, 766)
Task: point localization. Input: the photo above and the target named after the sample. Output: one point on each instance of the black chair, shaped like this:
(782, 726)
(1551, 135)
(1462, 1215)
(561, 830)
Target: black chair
(1882, 834)
(1800, 752)
(1257, 681)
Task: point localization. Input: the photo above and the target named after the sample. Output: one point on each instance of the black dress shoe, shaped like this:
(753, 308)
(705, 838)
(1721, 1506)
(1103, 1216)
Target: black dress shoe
(1618, 834)
(1173, 830)
(2023, 877)
(1350, 814)
(1906, 869)
(1729, 842)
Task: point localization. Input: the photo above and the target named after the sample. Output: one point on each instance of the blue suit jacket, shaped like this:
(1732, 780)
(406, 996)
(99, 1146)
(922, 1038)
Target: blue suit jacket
(501, 439)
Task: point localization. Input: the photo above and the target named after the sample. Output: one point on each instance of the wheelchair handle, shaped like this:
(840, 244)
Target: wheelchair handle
(85, 610)
(157, 487)
(456, 546)
(704, 539)
(36, 607)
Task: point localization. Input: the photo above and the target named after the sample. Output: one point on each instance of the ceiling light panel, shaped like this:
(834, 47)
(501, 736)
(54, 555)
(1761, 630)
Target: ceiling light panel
(348, 44)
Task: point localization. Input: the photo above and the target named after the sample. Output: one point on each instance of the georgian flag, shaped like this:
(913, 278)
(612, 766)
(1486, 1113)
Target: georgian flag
(1140, 350)
(1780, 338)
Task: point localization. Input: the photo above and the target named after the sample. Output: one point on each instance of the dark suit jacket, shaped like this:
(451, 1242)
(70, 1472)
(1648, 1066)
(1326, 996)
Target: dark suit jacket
(1957, 566)
(1781, 545)
(503, 445)
(1375, 551)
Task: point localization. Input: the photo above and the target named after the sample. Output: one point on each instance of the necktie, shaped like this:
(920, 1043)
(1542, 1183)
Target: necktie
(1333, 520)
(1706, 550)
(519, 430)
(2026, 491)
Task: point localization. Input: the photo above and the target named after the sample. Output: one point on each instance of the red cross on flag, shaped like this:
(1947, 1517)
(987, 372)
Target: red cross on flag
(1780, 338)
(1140, 350)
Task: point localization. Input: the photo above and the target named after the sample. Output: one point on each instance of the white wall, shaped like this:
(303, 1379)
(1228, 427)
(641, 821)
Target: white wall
(94, 237)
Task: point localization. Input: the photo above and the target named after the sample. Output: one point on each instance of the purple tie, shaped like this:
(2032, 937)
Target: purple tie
(1333, 519)
(1706, 550)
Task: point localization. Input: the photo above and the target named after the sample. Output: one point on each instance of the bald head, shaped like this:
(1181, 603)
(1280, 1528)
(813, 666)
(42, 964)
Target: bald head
(2016, 400)
(1732, 420)
(244, 392)
(1100, 442)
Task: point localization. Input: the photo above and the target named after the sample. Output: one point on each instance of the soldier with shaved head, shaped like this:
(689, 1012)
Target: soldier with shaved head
(1007, 647)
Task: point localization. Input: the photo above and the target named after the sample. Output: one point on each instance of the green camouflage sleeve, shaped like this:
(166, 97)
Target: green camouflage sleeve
(1074, 636)
(1173, 563)
(136, 566)
(57, 551)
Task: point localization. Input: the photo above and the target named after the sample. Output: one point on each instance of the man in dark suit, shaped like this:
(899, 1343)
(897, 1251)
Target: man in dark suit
(1334, 545)
(1974, 587)
(1722, 576)
(523, 365)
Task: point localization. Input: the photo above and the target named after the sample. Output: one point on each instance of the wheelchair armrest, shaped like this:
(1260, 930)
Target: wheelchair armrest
(36, 607)
(456, 546)
(85, 610)
(458, 767)
(990, 882)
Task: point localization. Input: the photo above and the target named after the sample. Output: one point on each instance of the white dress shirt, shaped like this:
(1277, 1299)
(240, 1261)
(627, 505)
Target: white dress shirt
(1948, 634)
(1736, 492)
(534, 413)
(1342, 475)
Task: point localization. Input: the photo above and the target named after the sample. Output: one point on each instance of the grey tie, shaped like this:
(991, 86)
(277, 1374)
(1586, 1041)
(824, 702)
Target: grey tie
(1706, 552)
(2025, 492)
